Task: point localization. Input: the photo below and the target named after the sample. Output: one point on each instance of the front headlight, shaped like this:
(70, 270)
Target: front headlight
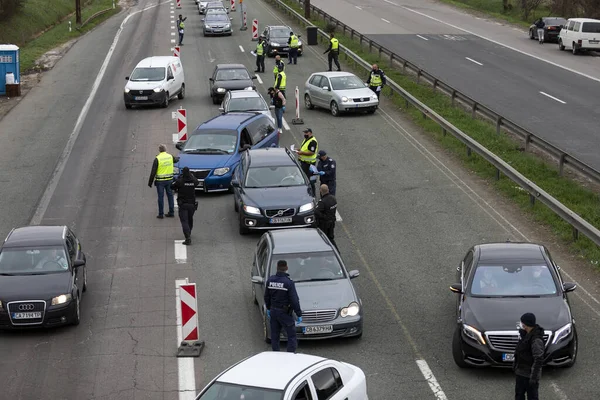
(274, 44)
(473, 334)
(221, 171)
(62, 299)
(350, 311)
(252, 210)
(221, 90)
(227, 26)
(158, 89)
(126, 90)
(0, 305)
(374, 97)
(562, 333)
(344, 99)
(306, 207)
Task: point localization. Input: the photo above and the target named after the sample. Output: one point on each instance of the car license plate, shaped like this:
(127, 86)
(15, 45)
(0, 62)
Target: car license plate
(141, 98)
(312, 330)
(286, 48)
(594, 41)
(27, 315)
(508, 357)
(217, 30)
(200, 183)
(281, 220)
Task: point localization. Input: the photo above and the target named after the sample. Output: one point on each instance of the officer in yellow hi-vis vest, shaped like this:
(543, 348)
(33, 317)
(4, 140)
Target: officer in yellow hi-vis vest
(278, 64)
(376, 80)
(260, 55)
(162, 176)
(294, 43)
(181, 28)
(281, 80)
(307, 155)
(334, 52)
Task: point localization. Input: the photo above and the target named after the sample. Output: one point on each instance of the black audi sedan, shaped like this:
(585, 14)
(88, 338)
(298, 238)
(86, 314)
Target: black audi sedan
(331, 307)
(270, 191)
(229, 77)
(276, 37)
(42, 278)
(499, 282)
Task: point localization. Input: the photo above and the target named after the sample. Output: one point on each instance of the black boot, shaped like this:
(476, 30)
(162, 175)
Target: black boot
(187, 241)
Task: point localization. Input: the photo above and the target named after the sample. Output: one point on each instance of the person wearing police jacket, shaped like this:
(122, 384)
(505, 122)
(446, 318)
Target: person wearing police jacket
(281, 299)
(376, 80)
(333, 52)
(279, 66)
(185, 186)
(162, 177)
(326, 168)
(260, 54)
(307, 155)
(325, 213)
(529, 357)
(294, 43)
(280, 80)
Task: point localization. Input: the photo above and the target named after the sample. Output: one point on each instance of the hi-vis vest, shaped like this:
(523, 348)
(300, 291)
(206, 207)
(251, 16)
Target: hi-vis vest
(375, 79)
(294, 41)
(309, 159)
(164, 172)
(276, 68)
(181, 25)
(283, 81)
(260, 49)
(335, 44)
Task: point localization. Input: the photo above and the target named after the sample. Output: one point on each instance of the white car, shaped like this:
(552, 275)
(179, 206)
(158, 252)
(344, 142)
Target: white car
(275, 375)
(246, 100)
(155, 80)
(580, 34)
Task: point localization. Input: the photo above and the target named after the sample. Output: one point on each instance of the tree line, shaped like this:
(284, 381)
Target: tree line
(558, 8)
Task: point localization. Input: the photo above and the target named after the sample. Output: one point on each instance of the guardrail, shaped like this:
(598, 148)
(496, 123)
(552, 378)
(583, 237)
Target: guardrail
(476, 108)
(535, 192)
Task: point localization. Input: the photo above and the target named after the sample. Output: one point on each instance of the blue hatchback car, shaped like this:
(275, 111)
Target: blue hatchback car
(213, 150)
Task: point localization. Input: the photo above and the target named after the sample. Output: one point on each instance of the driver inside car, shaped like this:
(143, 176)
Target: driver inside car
(55, 257)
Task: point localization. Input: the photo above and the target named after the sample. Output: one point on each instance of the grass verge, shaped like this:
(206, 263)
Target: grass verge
(573, 195)
(494, 8)
(52, 18)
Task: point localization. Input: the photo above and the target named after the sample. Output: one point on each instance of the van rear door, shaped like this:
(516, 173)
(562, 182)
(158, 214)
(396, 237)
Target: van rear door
(590, 34)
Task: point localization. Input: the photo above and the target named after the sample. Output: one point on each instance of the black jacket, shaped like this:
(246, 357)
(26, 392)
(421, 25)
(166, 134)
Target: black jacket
(325, 211)
(186, 189)
(540, 24)
(155, 167)
(281, 294)
(327, 166)
(529, 354)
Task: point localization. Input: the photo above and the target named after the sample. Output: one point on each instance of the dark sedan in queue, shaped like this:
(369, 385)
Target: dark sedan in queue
(330, 304)
(552, 27)
(229, 77)
(42, 278)
(499, 282)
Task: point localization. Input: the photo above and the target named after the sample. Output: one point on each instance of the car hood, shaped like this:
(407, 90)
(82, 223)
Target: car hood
(204, 161)
(143, 85)
(217, 23)
(34, 287)
(355, 93)
(325, 295)
(498, 314)
(285, 197)
(234, 85)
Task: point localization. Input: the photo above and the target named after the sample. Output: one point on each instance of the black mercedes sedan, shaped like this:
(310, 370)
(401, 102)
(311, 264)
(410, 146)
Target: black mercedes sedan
(499, 282)
(229, 77)
(270, 191)
(42, 278)
(331, 307)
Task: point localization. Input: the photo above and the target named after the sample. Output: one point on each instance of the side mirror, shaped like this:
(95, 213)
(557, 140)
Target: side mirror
(126, 78)
(253, 76)
(257, 279)
(457, 288)
(78, 263)
(272, 107)
(326, 88)
(179, 145)
(170, 78)
(202, 20)
(354, 274)
(569, 287)
(211, 79)
(230, 18)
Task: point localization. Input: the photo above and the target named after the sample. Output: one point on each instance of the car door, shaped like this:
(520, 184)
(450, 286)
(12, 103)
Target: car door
(302, 391)
(225, 103)
(212, 80)
(262, 270)
(239, 176)
(170, 81)
(328, 384)
(315, 90)
(72, 254)
(568, 40)
(464, 271)
(263, 133)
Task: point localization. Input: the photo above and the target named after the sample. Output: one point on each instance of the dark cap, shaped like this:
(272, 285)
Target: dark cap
(322, 153)
(307, 130)
(271, 89)
(528, 319)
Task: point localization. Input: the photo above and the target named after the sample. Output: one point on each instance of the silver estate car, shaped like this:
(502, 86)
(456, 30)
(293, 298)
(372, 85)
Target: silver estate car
(217, 23)
(339, 92)
(246, 100)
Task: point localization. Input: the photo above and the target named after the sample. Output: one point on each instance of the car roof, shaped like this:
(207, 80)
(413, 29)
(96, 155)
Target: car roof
(231, 120)
(511, 252)
(158, 61)
(332, 74)
(279, 27)
(238, 94)
(298, 240)
(269, 369)
(270, 156)
(231, 66)
(584, 20)
(36, 236)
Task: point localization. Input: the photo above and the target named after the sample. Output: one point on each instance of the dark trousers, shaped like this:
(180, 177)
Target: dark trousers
(293, 55)
(280, 319)
(161, 188)
(374, 89)
(331, 186)
(180, 39)
(328, 229)
(186, 217)
(260, 63)
(333, 56)
(523, 386)
(306, 168)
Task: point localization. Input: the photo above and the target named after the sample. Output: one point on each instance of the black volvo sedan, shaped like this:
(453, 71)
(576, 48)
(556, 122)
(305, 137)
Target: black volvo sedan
(499, 282)
(42, 278)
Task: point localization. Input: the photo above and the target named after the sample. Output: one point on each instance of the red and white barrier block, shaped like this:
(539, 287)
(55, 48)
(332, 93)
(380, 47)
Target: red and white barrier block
(254, 29)
(187, 320)
(178, 3)
(232, 5)
(297, 120)
(181, 117)
(176, 51)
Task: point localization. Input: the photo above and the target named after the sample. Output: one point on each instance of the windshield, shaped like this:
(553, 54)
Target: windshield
(247, 104)
(217, 17)
(221, 141)
(280, 33)
(237, 74)
(346, 83)
(591, 27)
(264, 177)
(311, 266)
(33, 260)
(148, 74)
(226, 391)
(513, 281)
(555, 21)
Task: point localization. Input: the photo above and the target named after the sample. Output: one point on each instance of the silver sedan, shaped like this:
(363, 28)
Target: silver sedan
(339, 92)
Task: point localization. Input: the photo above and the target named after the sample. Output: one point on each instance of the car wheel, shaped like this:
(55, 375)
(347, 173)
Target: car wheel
(84, 288)
(531, 34)
(266, 333)
(77, 318)
(243, 229)
(371, 111)
(128, 106)
(181, 94)
(335, 110)
(165, 103)
(457, 353)
(575, 49)
(254, 295)
(215, 100)
(561, 47)
(307, 102)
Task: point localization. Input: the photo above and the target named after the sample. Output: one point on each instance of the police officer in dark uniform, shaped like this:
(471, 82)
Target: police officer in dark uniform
(281, 299)
(326, 168)
(325, 214)
(333, 52)
(376, 80)
(185, 186)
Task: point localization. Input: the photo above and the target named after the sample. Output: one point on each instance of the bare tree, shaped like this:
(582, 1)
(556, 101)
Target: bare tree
(528, 6)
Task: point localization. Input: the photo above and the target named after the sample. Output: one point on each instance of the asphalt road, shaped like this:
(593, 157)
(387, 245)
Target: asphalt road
(409, 214)
(554, 103)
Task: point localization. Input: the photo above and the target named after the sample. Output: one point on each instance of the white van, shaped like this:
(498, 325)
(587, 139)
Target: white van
(155, 80)
(580, 34)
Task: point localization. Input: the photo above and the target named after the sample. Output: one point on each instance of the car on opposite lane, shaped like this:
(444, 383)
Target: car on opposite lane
(339, 92)
(552, 27)
(246, 100)
(276, 39)
(287, 376)
(229, 77)
(331, 307)
(499, 282)
(270, 191)
(42, 277)
(155, 80)
(216, 24)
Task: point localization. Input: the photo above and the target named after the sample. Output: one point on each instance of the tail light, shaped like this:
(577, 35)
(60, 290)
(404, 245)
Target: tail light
(579, 41)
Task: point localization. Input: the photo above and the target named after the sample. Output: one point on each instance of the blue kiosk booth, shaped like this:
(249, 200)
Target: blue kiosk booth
(9, 62)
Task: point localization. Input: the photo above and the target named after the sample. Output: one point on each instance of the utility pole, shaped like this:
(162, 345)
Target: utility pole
(78, 12)
(307, 9)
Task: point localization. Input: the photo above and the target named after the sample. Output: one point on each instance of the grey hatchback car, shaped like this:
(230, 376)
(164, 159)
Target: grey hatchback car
(330, 305)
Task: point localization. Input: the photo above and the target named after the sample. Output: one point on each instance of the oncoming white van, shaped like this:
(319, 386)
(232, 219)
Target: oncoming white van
(155, 80)
(580, 34)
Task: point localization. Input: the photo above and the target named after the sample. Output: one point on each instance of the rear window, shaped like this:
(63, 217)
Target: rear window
(591, 27)
(555, 21)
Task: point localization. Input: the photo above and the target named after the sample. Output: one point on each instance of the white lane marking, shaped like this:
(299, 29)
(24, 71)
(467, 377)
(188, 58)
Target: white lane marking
(64, 157)
(185, 365)
(241, 48)
(172, 26)
(385, 20)
(258, 79)
(553, 98)
(561, 395)
(172, 33)
(502, 44)
(172, 17)
(172, 41)
(358, 7)
(180, 252)
(285, 124)
(172, 12)
(433, 383)
(338, 217)
(422, 37)
(473, 61)
(390, 2)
